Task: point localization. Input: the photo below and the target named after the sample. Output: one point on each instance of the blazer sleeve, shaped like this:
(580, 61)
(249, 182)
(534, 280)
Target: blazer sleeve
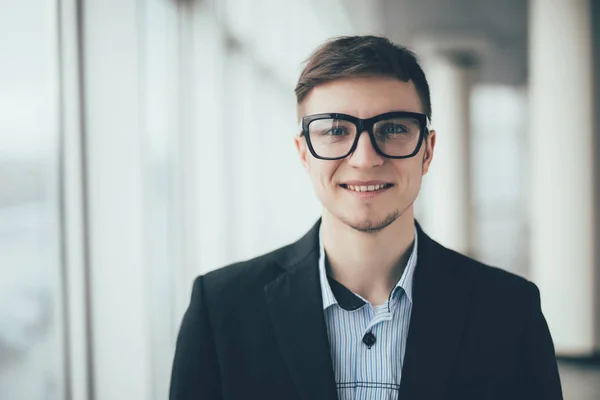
(539, 377)
(195, 373)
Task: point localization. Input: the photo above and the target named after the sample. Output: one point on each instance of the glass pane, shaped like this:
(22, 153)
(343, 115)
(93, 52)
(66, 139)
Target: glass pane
(31, 344)
(332, 137)
(397, 136)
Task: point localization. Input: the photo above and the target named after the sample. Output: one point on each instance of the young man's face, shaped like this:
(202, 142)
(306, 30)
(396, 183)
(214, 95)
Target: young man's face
(365, 98)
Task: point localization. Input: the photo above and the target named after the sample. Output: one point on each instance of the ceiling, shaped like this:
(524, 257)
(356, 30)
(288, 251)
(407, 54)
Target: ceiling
(500, 27)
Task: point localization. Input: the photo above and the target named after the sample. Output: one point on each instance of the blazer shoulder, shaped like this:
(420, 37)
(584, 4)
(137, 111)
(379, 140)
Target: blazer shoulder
(243, 276)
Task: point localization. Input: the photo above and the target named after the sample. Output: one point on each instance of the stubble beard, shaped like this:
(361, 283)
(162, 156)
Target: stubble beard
(373, 226)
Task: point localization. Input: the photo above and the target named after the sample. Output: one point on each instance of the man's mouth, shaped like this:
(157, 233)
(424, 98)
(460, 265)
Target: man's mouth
(367, 188)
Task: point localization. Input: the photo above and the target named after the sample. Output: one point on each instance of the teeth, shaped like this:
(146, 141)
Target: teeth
(370, 188)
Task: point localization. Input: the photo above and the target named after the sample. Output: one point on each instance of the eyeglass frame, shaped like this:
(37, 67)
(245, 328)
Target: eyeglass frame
(365, 125)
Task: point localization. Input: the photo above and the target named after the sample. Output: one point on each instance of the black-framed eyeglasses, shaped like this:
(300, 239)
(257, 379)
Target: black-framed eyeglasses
(333, 136)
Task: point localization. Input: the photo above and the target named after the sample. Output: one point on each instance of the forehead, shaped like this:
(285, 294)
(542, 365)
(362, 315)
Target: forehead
(362, 97)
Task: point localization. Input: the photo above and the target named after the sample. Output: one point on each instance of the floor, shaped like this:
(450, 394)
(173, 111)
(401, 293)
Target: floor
(580, 381)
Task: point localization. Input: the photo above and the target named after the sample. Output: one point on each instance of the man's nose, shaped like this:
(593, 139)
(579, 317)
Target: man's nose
(365, 155)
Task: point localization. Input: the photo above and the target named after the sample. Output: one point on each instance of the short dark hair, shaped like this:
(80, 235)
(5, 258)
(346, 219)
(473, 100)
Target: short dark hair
(355, 56)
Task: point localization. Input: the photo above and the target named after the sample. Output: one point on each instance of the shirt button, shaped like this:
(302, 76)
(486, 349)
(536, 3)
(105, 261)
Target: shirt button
(369, 339)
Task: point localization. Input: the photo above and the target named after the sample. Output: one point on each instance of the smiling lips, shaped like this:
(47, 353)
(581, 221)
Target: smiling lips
(369, 186)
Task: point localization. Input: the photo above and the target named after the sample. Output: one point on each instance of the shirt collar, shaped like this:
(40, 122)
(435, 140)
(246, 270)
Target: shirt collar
(405, 283)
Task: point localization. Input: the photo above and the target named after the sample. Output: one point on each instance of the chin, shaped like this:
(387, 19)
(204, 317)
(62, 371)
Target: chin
(372, 224)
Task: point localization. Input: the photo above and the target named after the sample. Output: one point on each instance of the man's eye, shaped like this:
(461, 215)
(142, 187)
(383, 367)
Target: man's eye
(336, 131)
(393, 128)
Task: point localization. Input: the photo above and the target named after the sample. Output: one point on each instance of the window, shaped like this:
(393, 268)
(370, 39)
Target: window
(31, 319)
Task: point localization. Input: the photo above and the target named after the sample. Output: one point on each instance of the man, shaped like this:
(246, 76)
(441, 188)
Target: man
(365, 305)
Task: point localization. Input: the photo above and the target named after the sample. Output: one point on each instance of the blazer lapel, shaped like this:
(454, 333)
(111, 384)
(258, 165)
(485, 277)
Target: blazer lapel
(441, 298)
(295, 305)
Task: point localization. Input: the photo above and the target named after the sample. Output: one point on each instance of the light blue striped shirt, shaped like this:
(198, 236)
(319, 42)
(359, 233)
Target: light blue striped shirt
(362, 372)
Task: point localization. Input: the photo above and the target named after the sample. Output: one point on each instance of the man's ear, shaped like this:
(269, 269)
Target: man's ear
(429, 149)
(302, 150)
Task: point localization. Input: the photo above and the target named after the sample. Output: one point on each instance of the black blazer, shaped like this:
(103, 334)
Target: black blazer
(256, 330)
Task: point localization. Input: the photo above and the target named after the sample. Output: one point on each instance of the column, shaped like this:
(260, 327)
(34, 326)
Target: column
(118, 290)
(447, 214)
(563, 263)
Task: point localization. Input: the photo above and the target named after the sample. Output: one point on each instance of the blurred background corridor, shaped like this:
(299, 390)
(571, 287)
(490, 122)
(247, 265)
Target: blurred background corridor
(145, 142)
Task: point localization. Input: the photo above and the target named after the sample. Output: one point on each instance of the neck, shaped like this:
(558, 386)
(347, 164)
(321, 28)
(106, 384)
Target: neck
(369, 264)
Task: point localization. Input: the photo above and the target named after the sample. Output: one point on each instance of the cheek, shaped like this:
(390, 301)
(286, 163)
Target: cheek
(322, 173)
(409, 172)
